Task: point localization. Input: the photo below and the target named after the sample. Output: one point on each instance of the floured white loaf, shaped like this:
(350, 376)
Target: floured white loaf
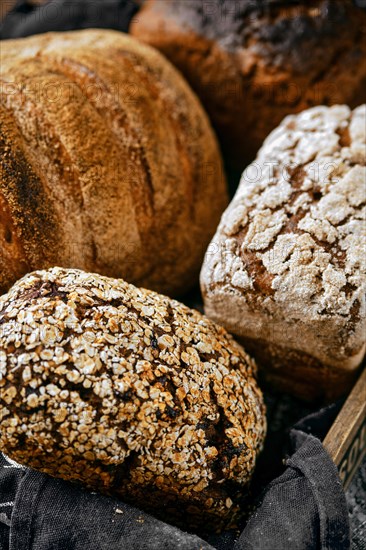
(285, 271)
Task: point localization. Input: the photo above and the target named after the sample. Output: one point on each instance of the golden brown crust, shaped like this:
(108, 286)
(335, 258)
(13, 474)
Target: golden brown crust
(252, 63)
(125, 152)
(129, 392)
(27, 222)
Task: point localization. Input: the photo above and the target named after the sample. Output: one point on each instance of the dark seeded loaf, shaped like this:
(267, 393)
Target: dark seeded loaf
(130, 393)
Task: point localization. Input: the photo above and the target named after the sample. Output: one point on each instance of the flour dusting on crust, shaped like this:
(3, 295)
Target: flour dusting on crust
(290, 249)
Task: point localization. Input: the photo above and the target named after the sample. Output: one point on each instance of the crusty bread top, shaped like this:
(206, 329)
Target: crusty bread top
(280, 31)
(292, 242)
(275, 58)
(142, 376)
(119, 168)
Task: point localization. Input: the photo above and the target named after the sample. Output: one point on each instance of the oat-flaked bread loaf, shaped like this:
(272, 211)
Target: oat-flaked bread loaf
(129, 392)
(108, 162)
(252, 62)
(285, 271)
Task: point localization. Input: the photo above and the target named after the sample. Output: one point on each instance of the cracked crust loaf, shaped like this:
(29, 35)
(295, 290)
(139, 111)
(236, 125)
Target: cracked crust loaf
(130, 393)
(252, 62)
(108, 162)
(285, 271)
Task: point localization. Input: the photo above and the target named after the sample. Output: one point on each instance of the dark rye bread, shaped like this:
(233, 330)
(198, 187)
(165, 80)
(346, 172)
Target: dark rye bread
(252, 62)
(108, 162)
(285, 271)
(130, 393)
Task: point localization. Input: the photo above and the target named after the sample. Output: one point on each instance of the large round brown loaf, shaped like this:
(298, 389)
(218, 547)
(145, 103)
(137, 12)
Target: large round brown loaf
(285, 271)
(108, 162)
(129, 392)
(252, 62)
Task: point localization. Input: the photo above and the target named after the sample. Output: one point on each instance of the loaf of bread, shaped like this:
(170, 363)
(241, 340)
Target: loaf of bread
(252, 62)
(130, 393)
(108, 162)
(285, 271)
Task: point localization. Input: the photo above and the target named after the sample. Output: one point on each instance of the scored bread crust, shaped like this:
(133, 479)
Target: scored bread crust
(285, 270)
(252, 62)
(108, 160)
(129, 392)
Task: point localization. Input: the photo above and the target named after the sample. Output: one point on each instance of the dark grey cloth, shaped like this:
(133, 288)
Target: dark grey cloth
(26, 19)
(303, 508)
(51, 514)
